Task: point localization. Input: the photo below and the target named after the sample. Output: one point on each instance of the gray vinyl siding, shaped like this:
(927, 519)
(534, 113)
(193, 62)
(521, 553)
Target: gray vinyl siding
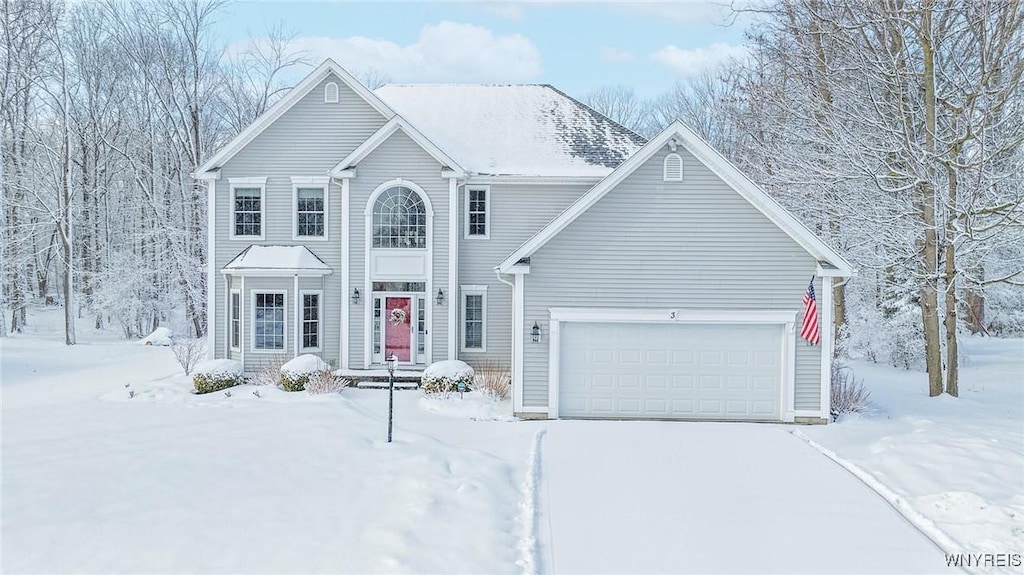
(517, 212)
(694, 245)
(307, 140)
(398, 157)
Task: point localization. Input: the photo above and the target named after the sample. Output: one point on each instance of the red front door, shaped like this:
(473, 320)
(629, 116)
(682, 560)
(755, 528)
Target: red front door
(398, 328)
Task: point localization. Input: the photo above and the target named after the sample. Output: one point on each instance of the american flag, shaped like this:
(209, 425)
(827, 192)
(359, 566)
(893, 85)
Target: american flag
(809, 330)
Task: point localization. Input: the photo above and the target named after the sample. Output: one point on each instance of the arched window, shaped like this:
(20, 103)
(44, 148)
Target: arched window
(673, 168)
(331, 93)
(399, 219)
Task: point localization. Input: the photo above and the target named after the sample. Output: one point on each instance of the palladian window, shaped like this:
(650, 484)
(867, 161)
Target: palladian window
(399, 219)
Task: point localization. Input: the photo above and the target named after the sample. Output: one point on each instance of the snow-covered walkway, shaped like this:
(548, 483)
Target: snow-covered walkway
(657, 497)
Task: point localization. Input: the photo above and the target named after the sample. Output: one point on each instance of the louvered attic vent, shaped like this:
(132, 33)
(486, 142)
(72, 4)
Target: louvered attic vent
(673, 168)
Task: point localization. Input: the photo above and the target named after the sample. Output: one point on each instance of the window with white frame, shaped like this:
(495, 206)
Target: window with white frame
(234, 319)
(399, 219)
(311, 320)
(268, 317)
(474, 318)
(310, 211)
(247, 207)
(331, 93)
(478, 207)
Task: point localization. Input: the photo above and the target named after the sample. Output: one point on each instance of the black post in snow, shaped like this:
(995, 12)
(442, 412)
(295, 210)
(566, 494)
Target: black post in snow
(392, 360)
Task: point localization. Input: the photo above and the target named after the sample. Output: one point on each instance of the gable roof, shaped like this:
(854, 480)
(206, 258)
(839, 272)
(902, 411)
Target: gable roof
(521, 130)
(377, 138)
(300, 90)
(688, 139)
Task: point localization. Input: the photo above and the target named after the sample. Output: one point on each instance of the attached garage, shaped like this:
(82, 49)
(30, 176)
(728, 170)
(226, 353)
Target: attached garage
(668, 364)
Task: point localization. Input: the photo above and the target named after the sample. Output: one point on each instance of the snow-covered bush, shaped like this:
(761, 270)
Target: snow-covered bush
(326, 381)
(188, 352)
(160, 336)
(494, 380)
(297, 373)
(443, 378)
(848, 394)
(269, 372)
(217, 374)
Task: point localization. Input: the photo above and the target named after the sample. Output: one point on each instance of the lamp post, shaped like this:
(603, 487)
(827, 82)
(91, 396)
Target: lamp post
(392, 363)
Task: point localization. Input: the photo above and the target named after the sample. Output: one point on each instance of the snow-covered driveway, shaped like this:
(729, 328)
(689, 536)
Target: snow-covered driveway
(704, 497)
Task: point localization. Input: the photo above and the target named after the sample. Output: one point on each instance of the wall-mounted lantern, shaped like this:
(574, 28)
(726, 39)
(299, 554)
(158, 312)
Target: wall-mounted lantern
(355, 295)
(440, 296)
(535, 332)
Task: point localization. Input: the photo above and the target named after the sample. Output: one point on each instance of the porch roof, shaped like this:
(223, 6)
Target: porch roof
(276, 261)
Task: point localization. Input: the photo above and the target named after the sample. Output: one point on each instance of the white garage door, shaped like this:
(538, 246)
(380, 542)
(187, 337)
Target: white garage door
(670, 371)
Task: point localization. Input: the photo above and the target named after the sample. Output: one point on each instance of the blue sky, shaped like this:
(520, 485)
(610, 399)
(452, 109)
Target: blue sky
(575, 46)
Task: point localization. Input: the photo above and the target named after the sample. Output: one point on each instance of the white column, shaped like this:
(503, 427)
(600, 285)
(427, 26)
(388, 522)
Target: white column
(211, 274)
(453, 266)
(298, 315)
(827, 346)
(346, 288)
(518, 319)
(241, 323)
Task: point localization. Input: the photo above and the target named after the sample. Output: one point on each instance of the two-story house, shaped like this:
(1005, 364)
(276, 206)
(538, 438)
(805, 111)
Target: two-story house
(616, 277)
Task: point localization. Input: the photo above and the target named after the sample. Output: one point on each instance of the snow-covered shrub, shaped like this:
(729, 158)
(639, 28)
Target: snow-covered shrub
(270, 372)
(326, 381)
(188, 352)
(494, 380)
(848, 394)
(296, 374)
(217, 374)
(160, 336)
(443, 378)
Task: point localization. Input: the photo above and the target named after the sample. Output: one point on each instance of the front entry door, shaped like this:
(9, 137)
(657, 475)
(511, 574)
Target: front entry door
(398, 323)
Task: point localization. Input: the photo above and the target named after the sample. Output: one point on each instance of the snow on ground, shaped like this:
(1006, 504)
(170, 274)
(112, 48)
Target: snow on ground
(957, 461)
(97, 480)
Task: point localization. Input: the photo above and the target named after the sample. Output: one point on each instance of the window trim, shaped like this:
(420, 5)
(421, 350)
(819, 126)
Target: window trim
(232, 319)
(487, 212)
(371, 210)
(674, 157)
(330, 98)
(310, 182)
(261, 183)
(464, 292)
(284, 321)
(319, 319)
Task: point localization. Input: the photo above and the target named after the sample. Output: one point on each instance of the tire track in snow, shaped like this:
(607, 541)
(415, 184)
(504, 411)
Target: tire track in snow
(529, 548)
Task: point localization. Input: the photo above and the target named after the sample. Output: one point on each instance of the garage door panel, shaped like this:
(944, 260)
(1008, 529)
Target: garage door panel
(670, 371)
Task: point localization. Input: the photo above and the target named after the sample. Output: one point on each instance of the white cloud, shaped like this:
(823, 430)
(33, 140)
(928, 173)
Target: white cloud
(444, 52)
(694, 61)
(616, 55)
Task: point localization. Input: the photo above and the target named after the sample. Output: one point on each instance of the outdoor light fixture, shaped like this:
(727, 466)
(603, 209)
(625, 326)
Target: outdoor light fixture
(355, 295)
(440, 296)
(392, 362)
(535, 332)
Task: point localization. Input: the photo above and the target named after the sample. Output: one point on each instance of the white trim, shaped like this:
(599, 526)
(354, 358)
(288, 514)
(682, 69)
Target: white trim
(830, 272)
(241, 324)
(386, 131)
(300, 319)
(487, 212)
(717, 164)
(368, 278)
(784, 319)
(518, 342)
(252, 329)
(298, 314)
(464, 292)
(330, 98)
(346, 277)
(665, 168)
(276, 272)
(645, 315)
(211, 269)
(481, 179)
(248, 183)
(827, 346)
(230, 311)
(324, 184)
(304, 87)
(453, 266)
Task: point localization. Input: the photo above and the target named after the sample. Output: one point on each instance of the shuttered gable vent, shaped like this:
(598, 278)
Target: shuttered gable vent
(673, 168)
(331, 93)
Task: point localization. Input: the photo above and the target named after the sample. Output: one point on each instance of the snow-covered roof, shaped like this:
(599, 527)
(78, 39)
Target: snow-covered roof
(281, 259)
(521, 130)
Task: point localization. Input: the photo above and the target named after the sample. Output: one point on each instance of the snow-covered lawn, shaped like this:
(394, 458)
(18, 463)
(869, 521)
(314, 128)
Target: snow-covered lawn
(957, 461)
(94, 480)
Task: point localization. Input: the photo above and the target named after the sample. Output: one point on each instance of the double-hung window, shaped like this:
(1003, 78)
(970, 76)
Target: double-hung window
(248, 206)
(311, 320)
(474, 318)
(478, 208)
(309, 204)
(268, 321)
